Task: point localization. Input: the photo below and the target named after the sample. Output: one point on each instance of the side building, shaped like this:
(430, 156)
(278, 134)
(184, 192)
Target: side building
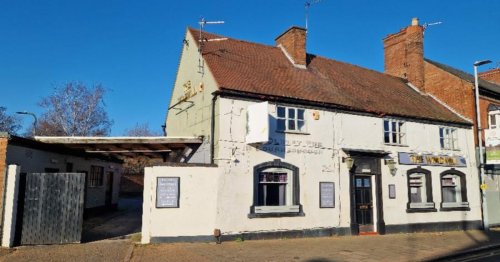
(404, 57)
(296, 144)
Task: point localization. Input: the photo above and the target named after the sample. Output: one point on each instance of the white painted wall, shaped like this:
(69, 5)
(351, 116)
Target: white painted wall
(10, 205)
(35, 161)
(197, 203)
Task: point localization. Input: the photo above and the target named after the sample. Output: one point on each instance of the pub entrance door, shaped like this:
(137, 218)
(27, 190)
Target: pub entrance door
(364, 203)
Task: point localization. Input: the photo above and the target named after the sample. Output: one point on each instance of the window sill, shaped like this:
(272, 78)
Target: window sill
(454, 209)
(462, 206)
(392, 144)
(275, 211)
(420, 210)
(292, 132)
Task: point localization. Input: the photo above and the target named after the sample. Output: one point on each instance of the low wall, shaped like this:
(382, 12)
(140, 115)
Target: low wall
(194, 218)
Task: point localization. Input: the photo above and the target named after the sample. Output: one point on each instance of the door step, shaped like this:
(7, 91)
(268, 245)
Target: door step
(368, 233)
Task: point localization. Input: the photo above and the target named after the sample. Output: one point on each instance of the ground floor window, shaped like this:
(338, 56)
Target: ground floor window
(420, 190)
(276, 190)
(453, 190)
(96, 177)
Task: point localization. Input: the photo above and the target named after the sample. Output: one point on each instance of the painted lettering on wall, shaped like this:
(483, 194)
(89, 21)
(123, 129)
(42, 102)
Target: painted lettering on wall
(189, 92)
(290, 146)
(431, 160)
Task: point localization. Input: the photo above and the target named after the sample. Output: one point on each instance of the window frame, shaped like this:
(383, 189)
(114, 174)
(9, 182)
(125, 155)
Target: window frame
(400, 132)
(496, 115)
(286, 118)
(428, 205)
(463, 205)
(447, 134)
(96, 176)
(292, 207)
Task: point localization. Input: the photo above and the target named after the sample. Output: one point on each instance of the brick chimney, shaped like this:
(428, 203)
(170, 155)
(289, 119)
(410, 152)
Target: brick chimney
(293, 43)
(492, 75)
(404, 54)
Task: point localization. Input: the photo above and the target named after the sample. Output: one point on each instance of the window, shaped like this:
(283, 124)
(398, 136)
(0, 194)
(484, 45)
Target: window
(448, 138)
(96, 176)
(453, 191)
(494, 119)
(394, 132)
(291, 119)
(276, 190)
(419, 191)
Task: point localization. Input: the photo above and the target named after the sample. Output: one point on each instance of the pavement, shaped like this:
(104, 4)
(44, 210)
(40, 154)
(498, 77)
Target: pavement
(115, 237)
(392, 247)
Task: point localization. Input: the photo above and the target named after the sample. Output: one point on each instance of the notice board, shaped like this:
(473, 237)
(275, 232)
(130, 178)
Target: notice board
(326, 195)
(167, 192)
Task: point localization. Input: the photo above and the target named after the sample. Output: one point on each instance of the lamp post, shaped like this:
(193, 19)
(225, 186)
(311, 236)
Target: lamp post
(486, 224)
(34, 117)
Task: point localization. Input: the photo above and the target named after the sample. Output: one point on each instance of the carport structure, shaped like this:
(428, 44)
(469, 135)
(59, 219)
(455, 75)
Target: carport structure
(170, 149)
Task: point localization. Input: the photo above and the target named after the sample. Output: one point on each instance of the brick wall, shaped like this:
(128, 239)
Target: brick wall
(294, 42)
(457, 93)
(404, 54)
(492, 75)
(3, 156)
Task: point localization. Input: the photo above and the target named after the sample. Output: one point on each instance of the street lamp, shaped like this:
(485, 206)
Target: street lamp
(486, 224)
(34, 117)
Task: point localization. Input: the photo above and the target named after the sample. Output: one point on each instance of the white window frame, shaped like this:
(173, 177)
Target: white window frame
(448, 138)
(295, 119)
(399, 130)
(496, 115)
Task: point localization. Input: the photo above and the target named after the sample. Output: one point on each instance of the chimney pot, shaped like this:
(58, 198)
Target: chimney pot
(414, 21)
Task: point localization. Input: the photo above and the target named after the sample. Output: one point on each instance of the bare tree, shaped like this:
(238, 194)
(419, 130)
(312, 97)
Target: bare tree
(135, 165)
(8, 123)
(74, 110)
(141, 130)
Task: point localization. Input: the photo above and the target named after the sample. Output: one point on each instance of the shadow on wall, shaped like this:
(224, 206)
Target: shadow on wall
(131, 185)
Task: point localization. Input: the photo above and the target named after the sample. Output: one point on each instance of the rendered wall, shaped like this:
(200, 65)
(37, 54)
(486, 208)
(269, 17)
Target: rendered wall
(35, 161)
(197, 203)
(192, 93)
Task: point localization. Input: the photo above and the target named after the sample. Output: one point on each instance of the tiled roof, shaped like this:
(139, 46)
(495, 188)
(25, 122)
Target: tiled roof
(483, 84)
(261, 69)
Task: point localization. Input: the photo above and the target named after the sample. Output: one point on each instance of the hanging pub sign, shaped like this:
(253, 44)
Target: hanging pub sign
(431, 160)
(492, 142)
(167, 192)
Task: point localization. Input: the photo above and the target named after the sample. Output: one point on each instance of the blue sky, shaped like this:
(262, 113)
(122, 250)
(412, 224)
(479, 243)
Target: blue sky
(132, 47)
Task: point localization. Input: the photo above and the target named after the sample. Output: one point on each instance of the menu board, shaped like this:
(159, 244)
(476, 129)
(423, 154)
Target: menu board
(326, 195)
(392, 191)
(167, 192)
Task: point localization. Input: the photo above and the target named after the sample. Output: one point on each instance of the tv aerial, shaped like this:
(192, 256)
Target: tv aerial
(425, 25)
(202, 40)
(307, 5)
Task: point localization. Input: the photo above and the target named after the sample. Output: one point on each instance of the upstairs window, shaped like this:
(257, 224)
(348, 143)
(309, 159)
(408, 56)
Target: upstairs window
(494, 119)
(394, 132)
(448, 138)
(291, 119)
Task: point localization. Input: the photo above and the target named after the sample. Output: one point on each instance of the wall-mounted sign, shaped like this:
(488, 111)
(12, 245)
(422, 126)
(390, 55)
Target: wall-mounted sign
(431, 160)
(189, 92)
(257, 123)
(492, 142)
(392, 191)
(326, 194)
(167, 192)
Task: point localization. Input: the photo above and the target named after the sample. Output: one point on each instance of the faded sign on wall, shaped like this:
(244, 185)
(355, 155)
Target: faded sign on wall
(492, 142)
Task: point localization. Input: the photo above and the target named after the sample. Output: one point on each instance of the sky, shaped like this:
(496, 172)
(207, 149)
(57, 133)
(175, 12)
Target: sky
(132, 48)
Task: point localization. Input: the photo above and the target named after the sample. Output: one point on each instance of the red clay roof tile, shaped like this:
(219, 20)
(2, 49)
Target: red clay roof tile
(261, 69)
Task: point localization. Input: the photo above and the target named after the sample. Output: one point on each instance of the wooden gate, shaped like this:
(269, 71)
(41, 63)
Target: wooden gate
(53, 208)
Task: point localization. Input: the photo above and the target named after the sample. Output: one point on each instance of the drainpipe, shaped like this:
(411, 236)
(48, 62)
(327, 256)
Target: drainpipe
(212, 128)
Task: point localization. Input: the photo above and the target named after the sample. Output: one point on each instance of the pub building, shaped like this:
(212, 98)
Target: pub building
(296, 144)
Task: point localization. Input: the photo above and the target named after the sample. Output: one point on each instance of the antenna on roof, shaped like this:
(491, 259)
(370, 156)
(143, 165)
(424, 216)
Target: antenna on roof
(201, 40)
(430, 24)
(307, 5)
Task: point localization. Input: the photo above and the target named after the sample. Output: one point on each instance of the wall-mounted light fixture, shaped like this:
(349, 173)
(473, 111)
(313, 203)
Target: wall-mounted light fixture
(391, 164)
(349, 162)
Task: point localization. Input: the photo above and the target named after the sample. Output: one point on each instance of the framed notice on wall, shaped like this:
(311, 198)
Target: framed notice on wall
(392, 191)
(167, 192)
(326, 194)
